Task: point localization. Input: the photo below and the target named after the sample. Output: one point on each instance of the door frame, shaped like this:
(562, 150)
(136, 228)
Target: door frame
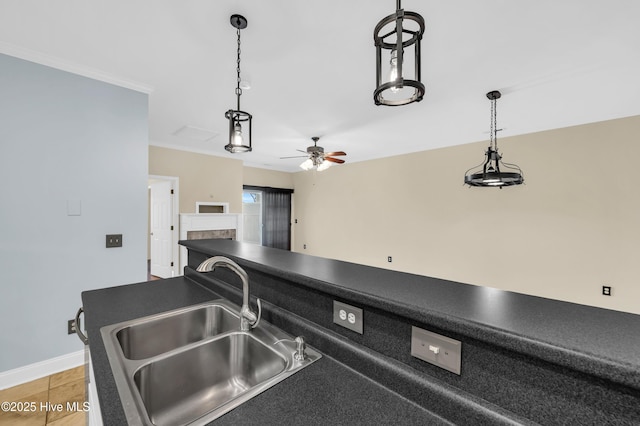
(175, 220)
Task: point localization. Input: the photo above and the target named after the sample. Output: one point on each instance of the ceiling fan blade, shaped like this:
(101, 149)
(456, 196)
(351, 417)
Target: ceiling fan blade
(304, 152)
(333, 154)
(297, 156)
(333, 160)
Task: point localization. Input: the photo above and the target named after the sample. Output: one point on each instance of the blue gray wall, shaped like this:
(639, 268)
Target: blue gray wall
(73, 167)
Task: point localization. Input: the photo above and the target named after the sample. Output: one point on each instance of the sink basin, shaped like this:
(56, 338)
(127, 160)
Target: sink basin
(159, 334)
(205, 377)
(192, 365)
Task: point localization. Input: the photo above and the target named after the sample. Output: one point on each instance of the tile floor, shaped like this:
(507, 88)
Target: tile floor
(45, 401)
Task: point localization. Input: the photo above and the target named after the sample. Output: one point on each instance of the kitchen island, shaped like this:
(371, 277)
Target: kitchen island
(525, 360)
(327, 392)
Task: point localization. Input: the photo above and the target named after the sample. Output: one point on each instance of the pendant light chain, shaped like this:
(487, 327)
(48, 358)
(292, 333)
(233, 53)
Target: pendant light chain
(238, 89)
(494, 125)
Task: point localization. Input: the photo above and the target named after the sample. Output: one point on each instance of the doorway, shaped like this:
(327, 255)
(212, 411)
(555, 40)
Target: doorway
(162, 247)
(267, 216)
(252, 216)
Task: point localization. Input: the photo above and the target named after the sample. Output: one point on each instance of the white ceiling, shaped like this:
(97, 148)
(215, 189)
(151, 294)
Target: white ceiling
(311, 65)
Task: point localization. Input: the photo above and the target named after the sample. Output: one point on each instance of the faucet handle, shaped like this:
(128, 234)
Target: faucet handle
(248, 318)
(259, 303)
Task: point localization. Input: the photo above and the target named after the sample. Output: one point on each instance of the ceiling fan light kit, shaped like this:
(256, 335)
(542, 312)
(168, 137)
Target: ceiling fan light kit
(239, 137)
(493, 172)
(398, 34)
(307, 164)
(324, 165)
(318, 163)
(317, 158)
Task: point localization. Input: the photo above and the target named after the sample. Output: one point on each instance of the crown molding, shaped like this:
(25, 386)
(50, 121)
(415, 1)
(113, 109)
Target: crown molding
(68, 66)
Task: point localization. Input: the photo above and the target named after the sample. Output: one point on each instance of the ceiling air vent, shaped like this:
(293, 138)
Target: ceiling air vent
(195, 134)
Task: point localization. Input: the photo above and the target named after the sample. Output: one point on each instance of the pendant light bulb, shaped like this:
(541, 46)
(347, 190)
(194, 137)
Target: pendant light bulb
(236, 139)
(393, 71)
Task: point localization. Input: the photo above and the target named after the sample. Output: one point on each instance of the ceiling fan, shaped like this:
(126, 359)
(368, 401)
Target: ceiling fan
(317, 157)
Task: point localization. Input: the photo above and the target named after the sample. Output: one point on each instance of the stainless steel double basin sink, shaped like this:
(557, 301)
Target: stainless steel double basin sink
(192, 365)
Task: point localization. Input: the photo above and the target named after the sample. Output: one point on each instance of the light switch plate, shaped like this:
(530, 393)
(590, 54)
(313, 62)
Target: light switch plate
(348, 316)
(114, 240)
(436, 349)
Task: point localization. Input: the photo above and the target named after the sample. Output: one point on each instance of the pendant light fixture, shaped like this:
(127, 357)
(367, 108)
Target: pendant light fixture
(398, 34)
(239, 137)
(494, 172)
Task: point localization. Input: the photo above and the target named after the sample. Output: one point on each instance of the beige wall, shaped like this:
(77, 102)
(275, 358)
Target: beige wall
(202, 177)
(570, 229)
(210, 178)
(264, 177)
(573, 227)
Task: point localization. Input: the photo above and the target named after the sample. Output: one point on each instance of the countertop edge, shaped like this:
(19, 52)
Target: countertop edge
(626, 374)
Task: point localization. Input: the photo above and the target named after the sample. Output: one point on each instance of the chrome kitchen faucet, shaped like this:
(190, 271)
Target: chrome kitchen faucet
(248, 318)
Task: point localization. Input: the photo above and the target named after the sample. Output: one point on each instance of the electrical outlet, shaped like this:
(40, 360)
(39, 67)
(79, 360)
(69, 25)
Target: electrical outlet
(71, 326)
(348, 316)
(304, 246)
(114, 240)
(389, 259)
(606, 290)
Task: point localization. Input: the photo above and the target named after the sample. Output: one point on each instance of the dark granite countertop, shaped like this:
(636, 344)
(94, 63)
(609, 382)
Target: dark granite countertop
(327, 392)
(600, 342)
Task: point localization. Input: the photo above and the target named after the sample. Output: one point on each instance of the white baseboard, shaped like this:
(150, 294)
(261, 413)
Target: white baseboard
(30, 372)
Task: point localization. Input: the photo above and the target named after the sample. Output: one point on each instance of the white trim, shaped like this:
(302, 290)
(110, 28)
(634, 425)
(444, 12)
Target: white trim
(225, 206)
(181, 147)
(216, 152)
(207, 222)
(65, 65)
(30, 372)
(95, 413)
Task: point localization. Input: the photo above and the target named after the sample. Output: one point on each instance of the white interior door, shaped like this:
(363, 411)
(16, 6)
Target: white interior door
(160, 214)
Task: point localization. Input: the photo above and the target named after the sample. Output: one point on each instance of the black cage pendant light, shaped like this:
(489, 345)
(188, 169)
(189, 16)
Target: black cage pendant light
(493, 172)
(239, 137)
(399, 35)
